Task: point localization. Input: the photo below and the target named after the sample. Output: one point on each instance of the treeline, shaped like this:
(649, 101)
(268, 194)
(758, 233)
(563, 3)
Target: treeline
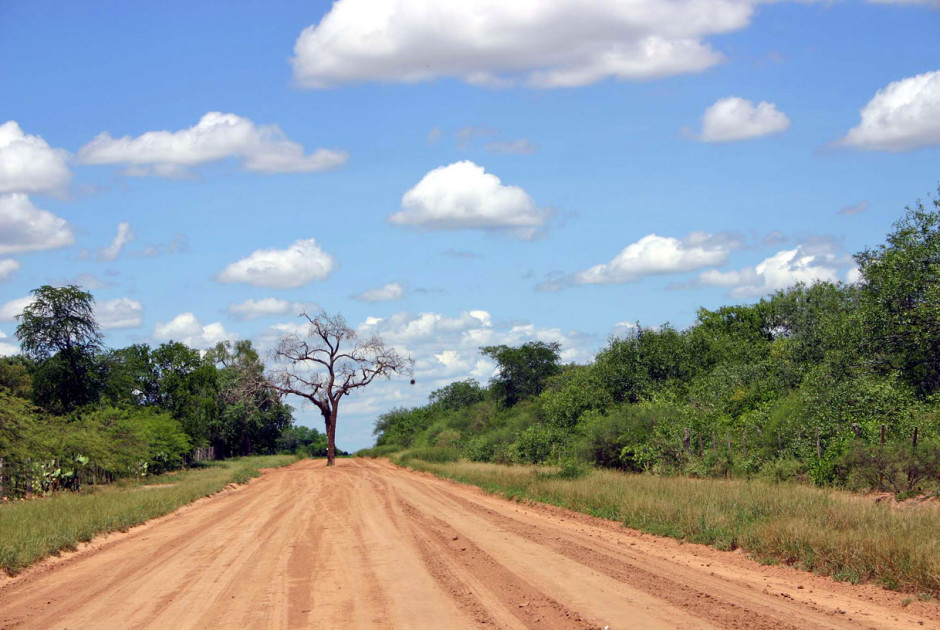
(73, 412)
(828, 383)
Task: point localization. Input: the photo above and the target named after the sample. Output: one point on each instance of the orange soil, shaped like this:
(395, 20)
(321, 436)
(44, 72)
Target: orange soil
(366, 544)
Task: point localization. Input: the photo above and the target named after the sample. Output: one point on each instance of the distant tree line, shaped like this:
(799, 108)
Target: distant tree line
(828, 383)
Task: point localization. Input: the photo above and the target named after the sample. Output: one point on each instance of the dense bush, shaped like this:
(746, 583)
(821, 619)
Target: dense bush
(803, 385)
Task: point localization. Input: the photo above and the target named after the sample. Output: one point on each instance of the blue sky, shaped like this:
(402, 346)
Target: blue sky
(482, 172)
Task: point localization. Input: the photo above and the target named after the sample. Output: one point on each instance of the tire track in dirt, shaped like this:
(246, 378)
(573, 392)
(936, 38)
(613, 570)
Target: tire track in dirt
(367, 544)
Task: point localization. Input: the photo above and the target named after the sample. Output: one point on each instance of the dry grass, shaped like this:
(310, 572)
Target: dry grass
(826, 531)
(32, 530)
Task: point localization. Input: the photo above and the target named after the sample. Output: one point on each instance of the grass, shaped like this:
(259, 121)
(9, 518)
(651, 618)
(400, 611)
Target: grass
(32, 530)
(825, 531)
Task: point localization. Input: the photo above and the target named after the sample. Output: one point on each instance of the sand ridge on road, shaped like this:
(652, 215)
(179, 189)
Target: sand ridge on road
(367, 544)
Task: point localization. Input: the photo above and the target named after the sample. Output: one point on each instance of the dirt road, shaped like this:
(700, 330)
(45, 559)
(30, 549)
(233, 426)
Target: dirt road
(370, 545)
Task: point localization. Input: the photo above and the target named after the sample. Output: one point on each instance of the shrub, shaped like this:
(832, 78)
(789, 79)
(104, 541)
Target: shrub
(539, 443)
(893, 467)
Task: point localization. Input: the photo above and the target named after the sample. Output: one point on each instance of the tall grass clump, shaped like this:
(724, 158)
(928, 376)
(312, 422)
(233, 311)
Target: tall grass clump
(32, 530)
(826, 531)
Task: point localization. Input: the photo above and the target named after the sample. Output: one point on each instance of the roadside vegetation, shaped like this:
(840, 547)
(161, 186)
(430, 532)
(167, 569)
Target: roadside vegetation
(745, 430)
(74, 413)
(825, 531)
(32, 530)
(829, 384)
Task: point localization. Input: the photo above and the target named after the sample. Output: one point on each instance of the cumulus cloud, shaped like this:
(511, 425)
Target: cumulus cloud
(903, 116)
(490, 43)
(268, 307)
(463, 196)
(300, 264)
(857, 208)
(653, 255)
(119, 313)
(782, 270)
(12, 309)
(8, 267)
(28, 164)
(26, 228)
(217, 136)
(385, 293)
(186, 328)
(124, 236)
(734, 118)
(7, 348)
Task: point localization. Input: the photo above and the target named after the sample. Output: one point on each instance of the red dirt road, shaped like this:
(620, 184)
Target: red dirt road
(367, 544)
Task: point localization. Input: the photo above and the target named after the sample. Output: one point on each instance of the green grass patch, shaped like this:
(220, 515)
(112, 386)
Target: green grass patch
(829, 532)
(32, 530)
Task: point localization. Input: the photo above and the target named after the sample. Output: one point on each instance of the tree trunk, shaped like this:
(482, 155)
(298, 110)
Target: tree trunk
(331, 441)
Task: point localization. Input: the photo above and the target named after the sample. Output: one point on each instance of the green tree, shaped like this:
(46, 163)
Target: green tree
(251, 415)
(901, 298)
(523, 370)
(59, 331)
(458, 395)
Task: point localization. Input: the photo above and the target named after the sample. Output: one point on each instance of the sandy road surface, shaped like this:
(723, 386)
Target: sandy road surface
(370, 545)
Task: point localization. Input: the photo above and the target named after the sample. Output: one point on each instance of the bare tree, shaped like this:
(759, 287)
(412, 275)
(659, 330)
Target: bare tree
(318, 368)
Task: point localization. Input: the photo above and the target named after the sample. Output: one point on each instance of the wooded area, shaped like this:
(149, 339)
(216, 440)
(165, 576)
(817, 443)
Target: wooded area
(828, 383)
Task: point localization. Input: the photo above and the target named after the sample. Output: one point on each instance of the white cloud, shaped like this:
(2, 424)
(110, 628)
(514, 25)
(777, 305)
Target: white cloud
(734, 118)
(492, 43)
(217, 136)
(10, 310)
(853, 275)
(28, 164)
(7, 349)
(901, 117)
(857, 208)
(119, 313)
(268, 307)
(301, 263)
(385, 293)
(782, 270)
(463, 196)
(124, 236)
(519, 146)
(653, 255)
(186, 328)
(8, 267)
(25, 228)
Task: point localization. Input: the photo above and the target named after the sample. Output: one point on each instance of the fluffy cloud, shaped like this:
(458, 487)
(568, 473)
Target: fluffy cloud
(542, 43)
(653, 255)
(784, 269)
(901, 117)
(8, 267)
(268, 307)
(187, 328)
(119, 313)
(301, 263)
(124, 236)
(7, 348)
(463, 196)
(28, 164)
(217, 136)
(25, 228)
(385, 293)
(734, 118)
(10, 310)
(447, 348)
